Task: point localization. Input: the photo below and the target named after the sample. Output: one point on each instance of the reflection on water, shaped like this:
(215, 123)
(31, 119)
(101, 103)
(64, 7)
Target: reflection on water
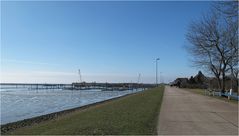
(22, 103)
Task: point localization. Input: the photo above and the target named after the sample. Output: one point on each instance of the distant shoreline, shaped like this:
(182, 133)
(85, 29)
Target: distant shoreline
(35, 120)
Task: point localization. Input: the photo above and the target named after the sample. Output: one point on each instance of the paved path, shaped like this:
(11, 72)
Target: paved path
(186, 113)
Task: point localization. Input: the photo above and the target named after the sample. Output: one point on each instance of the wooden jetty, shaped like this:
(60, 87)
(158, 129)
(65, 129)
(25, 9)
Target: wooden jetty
(77, 86)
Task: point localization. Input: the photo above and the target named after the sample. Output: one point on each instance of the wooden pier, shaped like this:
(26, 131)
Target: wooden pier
(76, 86)
(33, 86)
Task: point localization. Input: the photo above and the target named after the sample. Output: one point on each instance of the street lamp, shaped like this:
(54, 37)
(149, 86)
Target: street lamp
(161, 77)
(157, 71)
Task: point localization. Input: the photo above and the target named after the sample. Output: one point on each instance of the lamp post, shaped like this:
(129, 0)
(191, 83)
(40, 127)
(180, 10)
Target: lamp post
(157, 71)
(161, 78)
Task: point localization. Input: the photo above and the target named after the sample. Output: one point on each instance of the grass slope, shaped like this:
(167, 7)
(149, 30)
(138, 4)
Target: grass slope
(133, 114)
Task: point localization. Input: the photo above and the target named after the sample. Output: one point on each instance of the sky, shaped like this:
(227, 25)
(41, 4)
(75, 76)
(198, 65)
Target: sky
(111, 41)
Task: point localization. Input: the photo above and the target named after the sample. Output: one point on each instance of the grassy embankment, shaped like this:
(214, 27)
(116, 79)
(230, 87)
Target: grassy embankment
(201, 92)
(133, 114)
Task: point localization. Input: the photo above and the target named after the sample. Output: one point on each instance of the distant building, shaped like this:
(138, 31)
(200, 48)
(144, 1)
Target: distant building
(180, 82)
(201, 81)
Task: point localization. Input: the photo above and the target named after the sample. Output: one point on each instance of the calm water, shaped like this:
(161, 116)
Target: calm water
(22, 103)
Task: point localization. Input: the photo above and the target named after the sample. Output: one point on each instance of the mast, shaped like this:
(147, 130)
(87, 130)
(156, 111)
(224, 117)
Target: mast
(80, 75)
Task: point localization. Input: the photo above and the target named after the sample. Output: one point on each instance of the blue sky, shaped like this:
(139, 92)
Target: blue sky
(48, 42)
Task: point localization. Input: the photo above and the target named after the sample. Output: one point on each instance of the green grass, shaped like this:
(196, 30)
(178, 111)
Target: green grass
(135, 114)
(201, 92)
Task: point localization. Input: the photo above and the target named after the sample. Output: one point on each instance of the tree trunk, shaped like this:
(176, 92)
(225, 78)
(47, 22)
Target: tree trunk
(223, 84)
(219, 82)
(224, 77)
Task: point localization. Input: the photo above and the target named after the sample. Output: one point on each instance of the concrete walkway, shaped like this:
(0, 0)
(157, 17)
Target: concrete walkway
(186, 113)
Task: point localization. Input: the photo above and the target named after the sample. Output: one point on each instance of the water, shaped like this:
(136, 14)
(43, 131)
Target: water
(22, 103)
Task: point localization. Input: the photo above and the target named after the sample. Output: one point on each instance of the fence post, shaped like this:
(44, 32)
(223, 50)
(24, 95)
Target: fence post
(229, 95)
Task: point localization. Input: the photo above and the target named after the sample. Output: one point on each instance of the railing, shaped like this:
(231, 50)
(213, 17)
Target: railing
(236, 97)
(219, 93)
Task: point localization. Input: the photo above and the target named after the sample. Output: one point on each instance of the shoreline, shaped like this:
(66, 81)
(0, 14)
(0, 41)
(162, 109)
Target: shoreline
(38, 119)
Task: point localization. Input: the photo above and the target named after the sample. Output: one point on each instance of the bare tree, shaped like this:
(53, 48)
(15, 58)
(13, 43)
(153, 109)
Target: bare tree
(204, 38)
(214, 42)
(229, 10)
